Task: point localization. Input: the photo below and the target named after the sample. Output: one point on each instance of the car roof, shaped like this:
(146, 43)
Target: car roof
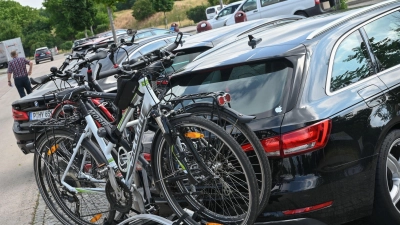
(213, 37)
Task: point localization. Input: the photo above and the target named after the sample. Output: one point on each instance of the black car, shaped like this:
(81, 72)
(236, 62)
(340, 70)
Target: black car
(326, 94)
(39, 104)
(43, 54)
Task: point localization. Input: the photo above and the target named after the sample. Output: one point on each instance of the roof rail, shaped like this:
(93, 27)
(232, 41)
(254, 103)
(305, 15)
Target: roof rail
(340, 21)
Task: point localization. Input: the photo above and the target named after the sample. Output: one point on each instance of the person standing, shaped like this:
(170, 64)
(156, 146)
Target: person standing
(17, 67)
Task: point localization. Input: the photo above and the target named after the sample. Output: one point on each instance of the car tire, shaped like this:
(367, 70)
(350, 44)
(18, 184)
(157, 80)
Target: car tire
(52, 58)
(37, 62)
(387, 182)
(301, 13)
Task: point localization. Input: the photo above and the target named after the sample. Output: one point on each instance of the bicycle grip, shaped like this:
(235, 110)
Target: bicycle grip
(108, 73)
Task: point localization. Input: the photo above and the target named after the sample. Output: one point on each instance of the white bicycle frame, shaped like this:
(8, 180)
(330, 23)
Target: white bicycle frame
(149, 101)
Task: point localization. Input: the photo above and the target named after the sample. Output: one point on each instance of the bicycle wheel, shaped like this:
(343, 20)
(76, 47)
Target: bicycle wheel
(249, 142)
(229, 196)
(50, 162)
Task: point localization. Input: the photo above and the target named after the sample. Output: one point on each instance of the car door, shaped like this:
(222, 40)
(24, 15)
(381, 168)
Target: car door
(384, 41)
(275, 8)
(219, 20)
(252, 9)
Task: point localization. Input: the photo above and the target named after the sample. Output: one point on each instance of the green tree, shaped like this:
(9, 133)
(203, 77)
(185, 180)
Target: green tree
(197, 13)
(79, 14)
(142, 9)
(58, 19)
(163, 6)
(127, 4)
(9, 30)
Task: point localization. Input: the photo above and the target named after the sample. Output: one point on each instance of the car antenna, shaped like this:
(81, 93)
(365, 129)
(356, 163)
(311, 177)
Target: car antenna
(253, 42)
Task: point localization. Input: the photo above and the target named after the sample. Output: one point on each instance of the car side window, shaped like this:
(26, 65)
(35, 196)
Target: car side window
(226, 11)
(383, 35)
(351, 63)
(249, 5)
(152, 47)
(268, 2)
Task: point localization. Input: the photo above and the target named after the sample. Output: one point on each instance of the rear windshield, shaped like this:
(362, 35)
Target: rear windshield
(256, 88)
(210, 10)
(42, 50)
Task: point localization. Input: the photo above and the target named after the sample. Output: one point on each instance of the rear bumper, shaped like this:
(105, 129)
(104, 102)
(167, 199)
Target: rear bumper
(24, 136)
(299, 221)
(43, 59)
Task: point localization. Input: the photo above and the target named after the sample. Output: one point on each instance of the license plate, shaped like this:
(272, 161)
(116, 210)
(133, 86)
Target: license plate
(44, 114)
(42, 54)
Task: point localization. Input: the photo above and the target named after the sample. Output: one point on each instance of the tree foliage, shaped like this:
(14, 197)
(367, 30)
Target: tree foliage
(163, 6)
(197, 13)
(142, 9)
(127, 4)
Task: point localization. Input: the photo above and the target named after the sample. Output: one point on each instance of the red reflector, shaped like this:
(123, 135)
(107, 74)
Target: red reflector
(221, 100)
(307, 209)
(147, 157)
(317, 2)
(299, 141)
(227, 97)
(162, 82)
(116, 66)
(19, 115)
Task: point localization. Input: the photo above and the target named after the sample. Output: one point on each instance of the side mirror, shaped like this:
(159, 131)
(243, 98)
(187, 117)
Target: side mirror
(131, 32)
(253, 42)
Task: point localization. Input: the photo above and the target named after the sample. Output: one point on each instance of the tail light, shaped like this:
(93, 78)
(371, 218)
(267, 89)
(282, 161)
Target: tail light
(20, 115)
(224, 99)
(316, 2)
(37, 55)
(162, 82)
(48, 53)
(297, 142)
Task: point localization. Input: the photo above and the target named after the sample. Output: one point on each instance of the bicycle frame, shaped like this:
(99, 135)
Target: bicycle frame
(149, 101)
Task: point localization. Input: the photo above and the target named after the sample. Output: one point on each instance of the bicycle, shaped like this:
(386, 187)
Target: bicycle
(118, 189)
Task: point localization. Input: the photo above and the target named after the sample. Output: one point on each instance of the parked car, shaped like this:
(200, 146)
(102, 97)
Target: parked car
(326, 95)
(213, 11)
(221, 17)
(255, 9)
(39, 104)
(43, 54)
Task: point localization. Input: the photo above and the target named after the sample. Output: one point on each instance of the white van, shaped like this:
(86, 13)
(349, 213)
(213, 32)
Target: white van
(220, 19)
(259, 9)
(212, 11)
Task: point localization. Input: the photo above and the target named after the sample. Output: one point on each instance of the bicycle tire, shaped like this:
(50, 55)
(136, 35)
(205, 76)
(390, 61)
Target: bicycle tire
(49, 187)
(162, 162)
(243, 135)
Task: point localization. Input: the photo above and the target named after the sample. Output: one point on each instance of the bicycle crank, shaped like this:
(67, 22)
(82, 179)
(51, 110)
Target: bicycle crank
(121, 201)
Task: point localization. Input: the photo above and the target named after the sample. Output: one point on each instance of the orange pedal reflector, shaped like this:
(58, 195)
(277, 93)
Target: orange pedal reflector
(211, 223)
(52, 149)
(194, 135)
(96, 218)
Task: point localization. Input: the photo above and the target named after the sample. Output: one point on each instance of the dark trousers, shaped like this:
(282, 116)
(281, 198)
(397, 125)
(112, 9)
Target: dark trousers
(22, 83)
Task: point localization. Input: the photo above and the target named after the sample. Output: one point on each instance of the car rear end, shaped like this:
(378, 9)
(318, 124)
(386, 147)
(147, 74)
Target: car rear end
(26, 111)
(307, 188)
(43, 54)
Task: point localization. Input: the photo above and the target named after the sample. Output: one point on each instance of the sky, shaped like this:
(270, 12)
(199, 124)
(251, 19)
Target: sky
(32, 3)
